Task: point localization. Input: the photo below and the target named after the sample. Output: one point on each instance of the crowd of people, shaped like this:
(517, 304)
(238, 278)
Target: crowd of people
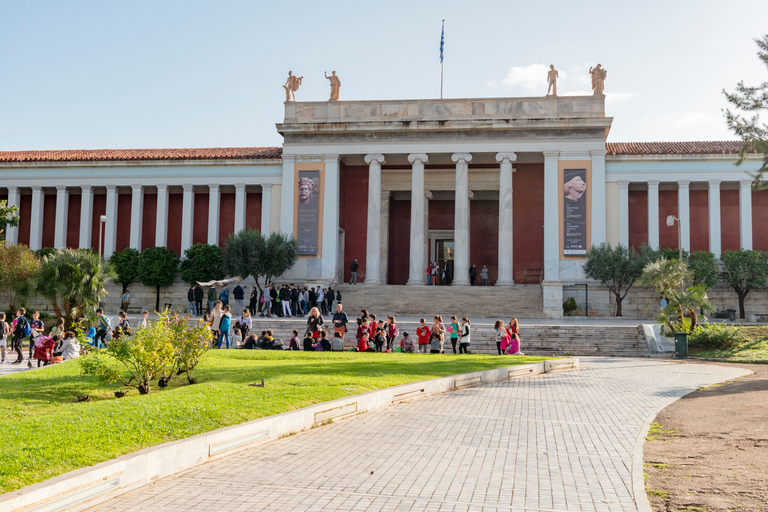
(440, 273)
(57, 344)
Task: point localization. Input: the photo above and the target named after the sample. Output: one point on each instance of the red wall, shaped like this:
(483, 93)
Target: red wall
(73, 221)
(200, 218)
(528, 219)
(667, 206)
(399, 241)
(729, 220)
(483, 239)
(25, 210)
(99, 209)
(226, 216)
(353, 218)
(760, 220)
(149, 221)
(123, 221)
(699, 202)
(175, 205)
(49, 211)
(638, 218)
(253, 210)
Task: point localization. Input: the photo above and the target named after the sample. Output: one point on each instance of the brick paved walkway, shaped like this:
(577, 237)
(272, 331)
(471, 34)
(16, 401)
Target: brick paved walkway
(559, 442)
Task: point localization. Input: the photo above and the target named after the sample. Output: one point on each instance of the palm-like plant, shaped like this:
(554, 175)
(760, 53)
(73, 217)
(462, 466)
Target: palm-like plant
(73, 280)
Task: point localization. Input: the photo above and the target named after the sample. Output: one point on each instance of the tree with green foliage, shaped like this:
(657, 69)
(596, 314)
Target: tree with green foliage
(158, 267)
(704, 268)
(73, 281)
(672, 254)
(744, 270)
(249, 253)
(126, 266)
(617, 268)
(9, 217)
(751, 101)
(202, 262)
(18, 264)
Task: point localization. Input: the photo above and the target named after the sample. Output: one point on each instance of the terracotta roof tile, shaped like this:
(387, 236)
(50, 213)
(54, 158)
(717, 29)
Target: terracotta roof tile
(90, 155)
(674, 148)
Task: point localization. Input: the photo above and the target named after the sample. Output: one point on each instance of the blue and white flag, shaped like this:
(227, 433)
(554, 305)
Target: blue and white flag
(442, 42)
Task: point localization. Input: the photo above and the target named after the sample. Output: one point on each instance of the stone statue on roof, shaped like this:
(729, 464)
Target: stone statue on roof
(552, 77)
(335, 85)
(291, 86)
(598, 76)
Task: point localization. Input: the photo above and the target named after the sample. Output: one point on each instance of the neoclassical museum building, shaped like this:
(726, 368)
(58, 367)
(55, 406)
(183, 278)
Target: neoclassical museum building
(522, 185)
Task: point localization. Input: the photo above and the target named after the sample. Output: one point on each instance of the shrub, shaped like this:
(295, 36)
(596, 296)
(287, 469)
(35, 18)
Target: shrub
(569, 306)
(718, 336)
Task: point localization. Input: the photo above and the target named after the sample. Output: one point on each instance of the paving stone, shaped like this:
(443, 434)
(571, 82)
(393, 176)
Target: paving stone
(559, 442)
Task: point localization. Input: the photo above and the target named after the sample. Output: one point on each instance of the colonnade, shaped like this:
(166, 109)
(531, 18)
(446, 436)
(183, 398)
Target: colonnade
(684, 214)
(137, 192)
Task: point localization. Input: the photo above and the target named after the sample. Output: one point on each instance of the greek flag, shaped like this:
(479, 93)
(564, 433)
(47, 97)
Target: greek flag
(442, 42)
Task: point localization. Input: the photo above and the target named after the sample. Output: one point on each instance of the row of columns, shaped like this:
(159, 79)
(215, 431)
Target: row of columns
(684, 214)
(137, 209)
(417, 257)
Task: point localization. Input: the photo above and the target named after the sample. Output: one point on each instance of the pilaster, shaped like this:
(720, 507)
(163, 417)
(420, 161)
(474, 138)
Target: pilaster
(599, 212)
(551, 220)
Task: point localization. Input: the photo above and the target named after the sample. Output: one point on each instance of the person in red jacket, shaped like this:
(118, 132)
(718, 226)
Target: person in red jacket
(362, 344)
(423, 334)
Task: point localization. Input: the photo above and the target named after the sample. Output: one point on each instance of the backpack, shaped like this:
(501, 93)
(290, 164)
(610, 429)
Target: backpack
(25, 326)
(40, 341)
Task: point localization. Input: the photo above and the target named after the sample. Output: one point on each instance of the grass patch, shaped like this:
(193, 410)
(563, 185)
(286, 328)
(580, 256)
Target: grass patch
(48, 432)
(661, 494)
(755, 350)
(656, 432)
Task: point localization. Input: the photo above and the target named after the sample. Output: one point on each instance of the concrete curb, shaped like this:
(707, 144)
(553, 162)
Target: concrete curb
(89, 486)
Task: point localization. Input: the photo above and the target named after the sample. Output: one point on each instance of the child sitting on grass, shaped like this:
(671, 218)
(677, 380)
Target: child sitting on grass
(337, 345)
(406, 344)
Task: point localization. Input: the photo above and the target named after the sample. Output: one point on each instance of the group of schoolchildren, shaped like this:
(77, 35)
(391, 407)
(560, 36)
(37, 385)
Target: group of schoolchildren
(57, 345)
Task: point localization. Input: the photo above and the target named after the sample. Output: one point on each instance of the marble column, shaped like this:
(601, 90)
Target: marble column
(161, 227)
(62, 216)
(266, 208)
(213, 214)
(684, 213)
(461, 220)
(187, 217)
(137, 216)
(384, 252)
(551, 218)
(505, 248)
(599, 234)
(416, 271)
(653, 214)
(86, 216)
(714, 218)
(36, 218)
(110, 229)
(330, 247)
(12, 233)
(373, 236)
(624, 213)
(240, 201)
(745, 214)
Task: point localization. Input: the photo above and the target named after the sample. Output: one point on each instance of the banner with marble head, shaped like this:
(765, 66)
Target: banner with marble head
(574, 211)
(308, 211)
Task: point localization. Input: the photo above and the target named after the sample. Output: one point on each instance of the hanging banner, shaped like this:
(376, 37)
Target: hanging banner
(574, 210)
(308, 210)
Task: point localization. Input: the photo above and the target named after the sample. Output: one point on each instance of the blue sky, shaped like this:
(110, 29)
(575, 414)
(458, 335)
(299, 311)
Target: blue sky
(140, 74)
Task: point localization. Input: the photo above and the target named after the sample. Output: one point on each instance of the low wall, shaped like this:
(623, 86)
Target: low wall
(86, 487)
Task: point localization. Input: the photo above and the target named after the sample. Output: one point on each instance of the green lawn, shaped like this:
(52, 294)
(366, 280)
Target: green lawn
(755, 351)
(46, 432)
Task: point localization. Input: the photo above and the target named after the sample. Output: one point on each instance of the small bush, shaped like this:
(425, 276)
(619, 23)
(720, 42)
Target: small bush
(569, 306)
(719, 336)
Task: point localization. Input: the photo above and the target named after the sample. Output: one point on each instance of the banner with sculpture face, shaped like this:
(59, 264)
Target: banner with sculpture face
(574, 212)
(308, 212)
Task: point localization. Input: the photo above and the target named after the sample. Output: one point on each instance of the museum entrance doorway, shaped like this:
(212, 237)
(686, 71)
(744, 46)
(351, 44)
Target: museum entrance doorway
(441, 249)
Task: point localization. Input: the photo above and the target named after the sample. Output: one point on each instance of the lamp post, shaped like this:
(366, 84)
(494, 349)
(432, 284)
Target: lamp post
(102, 221)
(671, 222)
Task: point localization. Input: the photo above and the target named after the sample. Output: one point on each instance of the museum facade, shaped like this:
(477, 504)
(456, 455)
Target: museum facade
(522, 185)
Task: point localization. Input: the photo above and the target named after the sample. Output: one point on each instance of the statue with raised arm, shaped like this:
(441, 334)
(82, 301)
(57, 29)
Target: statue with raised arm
(291, 86)
(335, 85)
(552, 77)
(598, 77)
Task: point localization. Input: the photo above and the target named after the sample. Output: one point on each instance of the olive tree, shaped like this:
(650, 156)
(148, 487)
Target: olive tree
(617, 268)
(744, 270)
(158, 267)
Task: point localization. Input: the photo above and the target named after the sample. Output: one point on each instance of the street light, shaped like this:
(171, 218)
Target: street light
(671, 222)
(102, 221)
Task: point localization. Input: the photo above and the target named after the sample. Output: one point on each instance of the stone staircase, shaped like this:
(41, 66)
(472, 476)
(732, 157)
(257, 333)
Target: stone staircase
(471, 301)
(541, 340)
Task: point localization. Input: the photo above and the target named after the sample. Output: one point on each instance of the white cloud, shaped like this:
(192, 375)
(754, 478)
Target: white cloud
(693, 119)
(532, 77)
(616, 97)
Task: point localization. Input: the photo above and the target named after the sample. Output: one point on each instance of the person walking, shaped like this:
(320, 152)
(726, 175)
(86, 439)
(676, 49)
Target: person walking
(253, 302)
(353, 267)
(126, 300)
(192, 309)
(285, 300)
(211, 298)
(294, 300)
(239, 295)
(199, 299)
(19, 331)
(434, 274)
(224, 296)
(266, 307)
(447, 273)
(340, 321)
(102, 326)
(472, 275)
(484, 275)
(464, 339)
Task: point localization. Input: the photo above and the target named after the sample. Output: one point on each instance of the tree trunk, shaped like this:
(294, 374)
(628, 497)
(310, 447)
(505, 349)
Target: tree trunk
(157, 298)
(619, 298)
(742, 296)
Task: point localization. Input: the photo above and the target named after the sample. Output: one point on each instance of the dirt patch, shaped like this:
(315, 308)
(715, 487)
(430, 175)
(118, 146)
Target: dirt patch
(708, 451)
